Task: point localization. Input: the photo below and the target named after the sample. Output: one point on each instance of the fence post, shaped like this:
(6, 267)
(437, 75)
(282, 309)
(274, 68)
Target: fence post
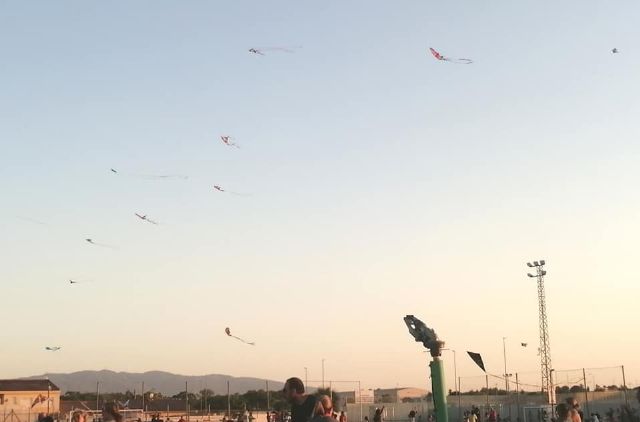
(487, 407)
(624, 386)
(517, 399)
(459, 400)
(586, 395)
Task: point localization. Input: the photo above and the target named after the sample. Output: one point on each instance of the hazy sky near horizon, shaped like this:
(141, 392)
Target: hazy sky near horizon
(380, 182)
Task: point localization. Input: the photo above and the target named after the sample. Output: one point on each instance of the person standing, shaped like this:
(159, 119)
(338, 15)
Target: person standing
(302, 405)
(377, 417)
(323, 411)
(343, 417)
(111, 412)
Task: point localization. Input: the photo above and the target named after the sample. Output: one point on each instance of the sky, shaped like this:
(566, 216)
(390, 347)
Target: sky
(377, 182)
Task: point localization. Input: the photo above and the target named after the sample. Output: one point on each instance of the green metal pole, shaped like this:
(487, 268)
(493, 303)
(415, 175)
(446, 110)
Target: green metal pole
(439, 390)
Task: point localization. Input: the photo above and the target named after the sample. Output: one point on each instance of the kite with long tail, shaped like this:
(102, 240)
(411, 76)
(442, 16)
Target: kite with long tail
(75, 281)
(145, 218)
(229, 141)
(102, 245)
(440, 57)
(221, 189)
(151, 176)
(262, 50)
(228, 332)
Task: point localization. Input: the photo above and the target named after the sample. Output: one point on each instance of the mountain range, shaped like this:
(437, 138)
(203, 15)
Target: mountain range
(158, 381)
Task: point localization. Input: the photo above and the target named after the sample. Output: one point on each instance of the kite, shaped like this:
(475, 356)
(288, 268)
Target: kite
(260, 51)
(40, 399)
(523, 344)
(228, 332)
(477, 359)
(102, 245)
(152, 176)
(615, 51)
(144, 218)
(228, 141)
(220, 189)
(31, 220)
(53, 348)
(72, 281)
(447, 59)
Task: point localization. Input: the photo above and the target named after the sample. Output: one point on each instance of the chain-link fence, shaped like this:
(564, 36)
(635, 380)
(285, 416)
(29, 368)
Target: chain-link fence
(519, 396)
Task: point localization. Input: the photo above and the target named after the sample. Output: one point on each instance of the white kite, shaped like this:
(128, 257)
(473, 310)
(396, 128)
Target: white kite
(228, 332)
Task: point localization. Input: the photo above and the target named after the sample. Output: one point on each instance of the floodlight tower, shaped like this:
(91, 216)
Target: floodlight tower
(545, 347)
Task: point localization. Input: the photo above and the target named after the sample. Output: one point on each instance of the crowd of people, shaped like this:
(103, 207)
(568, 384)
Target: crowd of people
(312, 408)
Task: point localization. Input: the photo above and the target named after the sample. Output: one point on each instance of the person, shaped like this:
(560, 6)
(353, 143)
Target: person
(78, 416)
(564, 412)
(595, 418)
(343, 417)
(473, 417)
(377, 417)
(574, 410)
(111, 412)
(302, 405)
(492, 415)
(323, 410)
(412, 416)
(268, 416)
(366, 419)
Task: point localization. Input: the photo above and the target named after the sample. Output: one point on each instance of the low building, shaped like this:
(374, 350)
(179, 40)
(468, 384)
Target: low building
(398, 395)
(28, 400)
(350, 397)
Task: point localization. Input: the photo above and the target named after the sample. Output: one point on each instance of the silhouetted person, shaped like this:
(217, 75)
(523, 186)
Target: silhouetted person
(302, 405)
(111, 412)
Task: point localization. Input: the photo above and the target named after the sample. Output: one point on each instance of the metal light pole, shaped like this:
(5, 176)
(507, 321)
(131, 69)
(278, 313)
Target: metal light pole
(228, 400)
(186, 398)
(323, 373)
(456, 381)
(507, 376)
(360, 395)
(504, 352)
(97, 395)
(268, 398)
(306, 381)
(545, 347)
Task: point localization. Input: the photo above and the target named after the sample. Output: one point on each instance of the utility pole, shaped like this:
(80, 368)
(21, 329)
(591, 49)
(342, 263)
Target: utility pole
(323, 373)
(97, 396)
(268, 398)
(228, 401)
(545, 347)
(507, 376)
(305, 378)
(144, 415)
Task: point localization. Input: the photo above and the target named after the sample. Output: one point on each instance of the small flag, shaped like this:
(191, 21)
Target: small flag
(477, 359)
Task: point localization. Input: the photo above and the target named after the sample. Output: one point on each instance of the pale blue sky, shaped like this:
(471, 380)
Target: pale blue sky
(378, 176)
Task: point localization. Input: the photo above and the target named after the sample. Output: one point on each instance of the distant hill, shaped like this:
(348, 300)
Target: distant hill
(162, 382)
